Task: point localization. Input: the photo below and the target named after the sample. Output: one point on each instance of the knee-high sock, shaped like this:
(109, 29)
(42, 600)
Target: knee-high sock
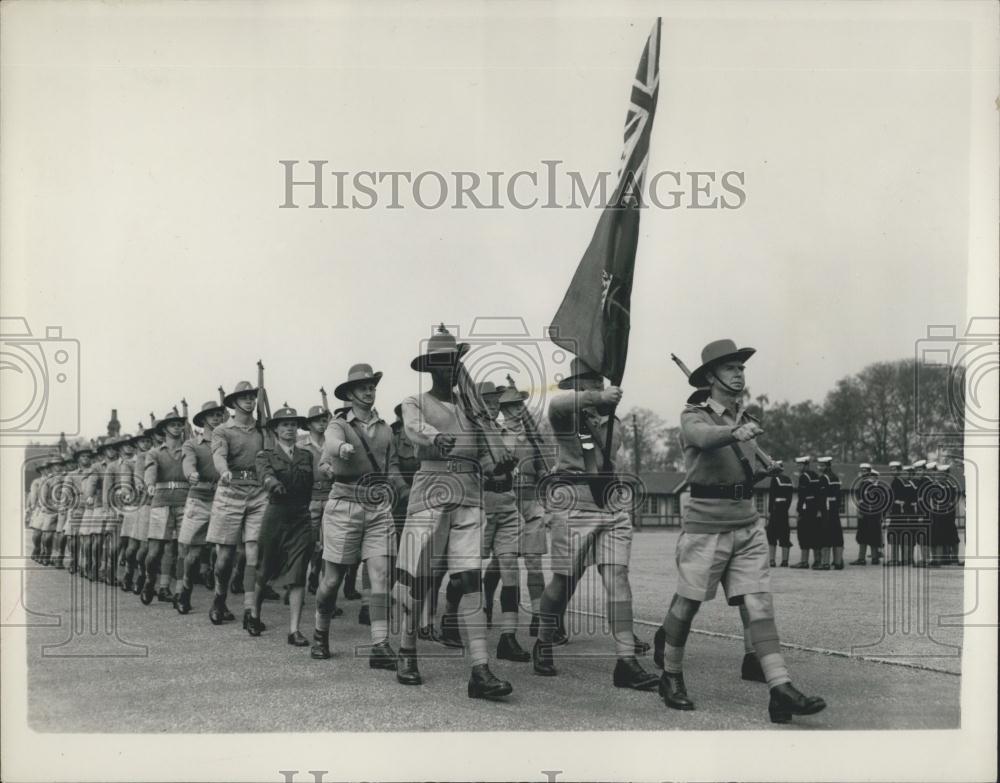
(551, 607)
(765, 641)
(453, 594)
(620, 619)
(490, 581)
(380, 617)
(536, 586)
(677, 630)
(411, 616)
(350, 579)
(366, 587)
(509, 598)
(474, 625)
(747, 640)
(166, 565)
(249, 583)
(326, 604)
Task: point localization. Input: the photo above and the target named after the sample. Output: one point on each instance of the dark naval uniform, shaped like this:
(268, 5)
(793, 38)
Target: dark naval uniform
(779, 503)
(286, 538)
(807, 525)
(833, 532)
(869, 498)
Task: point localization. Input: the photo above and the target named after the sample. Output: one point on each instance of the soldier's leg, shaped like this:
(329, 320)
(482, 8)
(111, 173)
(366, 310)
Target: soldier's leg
(154, 557)
(491, 579)
(36, 543)
(763, 634)
(509, 593)
(225, 560)
(326, 599)
(536, 583)
(364, 615)
(377, 568)
(350, 583)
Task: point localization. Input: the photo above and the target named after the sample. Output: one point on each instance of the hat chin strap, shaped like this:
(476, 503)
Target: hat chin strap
(723, 384)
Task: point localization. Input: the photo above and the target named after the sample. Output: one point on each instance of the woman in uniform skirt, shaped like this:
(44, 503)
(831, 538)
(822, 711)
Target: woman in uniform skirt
(286, 538)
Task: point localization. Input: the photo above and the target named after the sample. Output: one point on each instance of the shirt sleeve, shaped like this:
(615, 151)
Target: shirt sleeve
(220, 450)
(415, 425)
(704, 434)
(564, 409)
(189, 462)
(392, 468)
(335, 438)
(265, 470)
(149, 474)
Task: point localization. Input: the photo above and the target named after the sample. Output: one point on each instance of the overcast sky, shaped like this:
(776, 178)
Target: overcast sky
(142, 189)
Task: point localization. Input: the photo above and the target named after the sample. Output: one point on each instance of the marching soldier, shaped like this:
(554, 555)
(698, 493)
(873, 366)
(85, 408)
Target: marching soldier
(722, 538)
(501, 541)
(358, 527)
(529, 448)
(409, 464)
(593, 529)
(807, 522)
(74, 522)
(34, 509)
(138, 545)
(240, 499)
(868, 501)
(49, 509)
(285, 541)
(316, 423)
(165, 477)
(64, 500)
(130, 500)
(445, 514)
(780, 494)
(115, 499)
(833, 533)
(905, 535)
(91, 528)
(199, 469)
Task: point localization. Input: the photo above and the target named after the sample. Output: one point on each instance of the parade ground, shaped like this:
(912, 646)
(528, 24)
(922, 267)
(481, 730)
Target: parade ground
(882, 646)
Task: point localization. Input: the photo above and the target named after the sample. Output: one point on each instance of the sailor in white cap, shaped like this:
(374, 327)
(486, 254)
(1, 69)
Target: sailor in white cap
(806, 508)
(896, 516)
(833, 533)
(870, 498)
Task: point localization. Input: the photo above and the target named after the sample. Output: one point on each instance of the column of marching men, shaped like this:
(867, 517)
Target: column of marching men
(432, 501)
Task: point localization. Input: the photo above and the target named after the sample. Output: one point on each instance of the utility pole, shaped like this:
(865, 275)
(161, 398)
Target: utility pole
(635, 445)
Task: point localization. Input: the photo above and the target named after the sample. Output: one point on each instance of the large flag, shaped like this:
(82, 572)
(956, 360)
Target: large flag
(593, 319)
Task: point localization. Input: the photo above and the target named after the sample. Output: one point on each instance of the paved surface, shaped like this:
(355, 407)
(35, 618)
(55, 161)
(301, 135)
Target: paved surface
(156, 671)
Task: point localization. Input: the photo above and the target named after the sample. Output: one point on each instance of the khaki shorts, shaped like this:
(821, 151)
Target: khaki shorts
(194, 523)
(316, 508)
(237, 513)
(500, 533)
(141, 530)
(164, 522)
(583, 537)
(435, 534)
(738, 559)
(354, 531)
(48, 522)
(128, 523)
(533, 530)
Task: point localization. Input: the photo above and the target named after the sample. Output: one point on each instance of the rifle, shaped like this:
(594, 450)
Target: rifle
(542, 466)
(758, 452)
(326, 403)
(222, 397)
(188, 431)
(263, 408)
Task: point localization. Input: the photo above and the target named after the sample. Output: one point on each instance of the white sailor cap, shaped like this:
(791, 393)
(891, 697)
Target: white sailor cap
(920, 463)
(803, 460)
(895, 464)
(907, 467)
(865, 465)
(824, 460)
(943, 467)
(931, 465)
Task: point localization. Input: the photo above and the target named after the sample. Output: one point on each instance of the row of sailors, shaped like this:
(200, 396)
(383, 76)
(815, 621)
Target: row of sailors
(915, 505)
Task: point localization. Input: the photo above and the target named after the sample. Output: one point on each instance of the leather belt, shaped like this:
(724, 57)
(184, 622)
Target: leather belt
(721, 491)
(171, 485)
(449, 466)
(244, 475)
